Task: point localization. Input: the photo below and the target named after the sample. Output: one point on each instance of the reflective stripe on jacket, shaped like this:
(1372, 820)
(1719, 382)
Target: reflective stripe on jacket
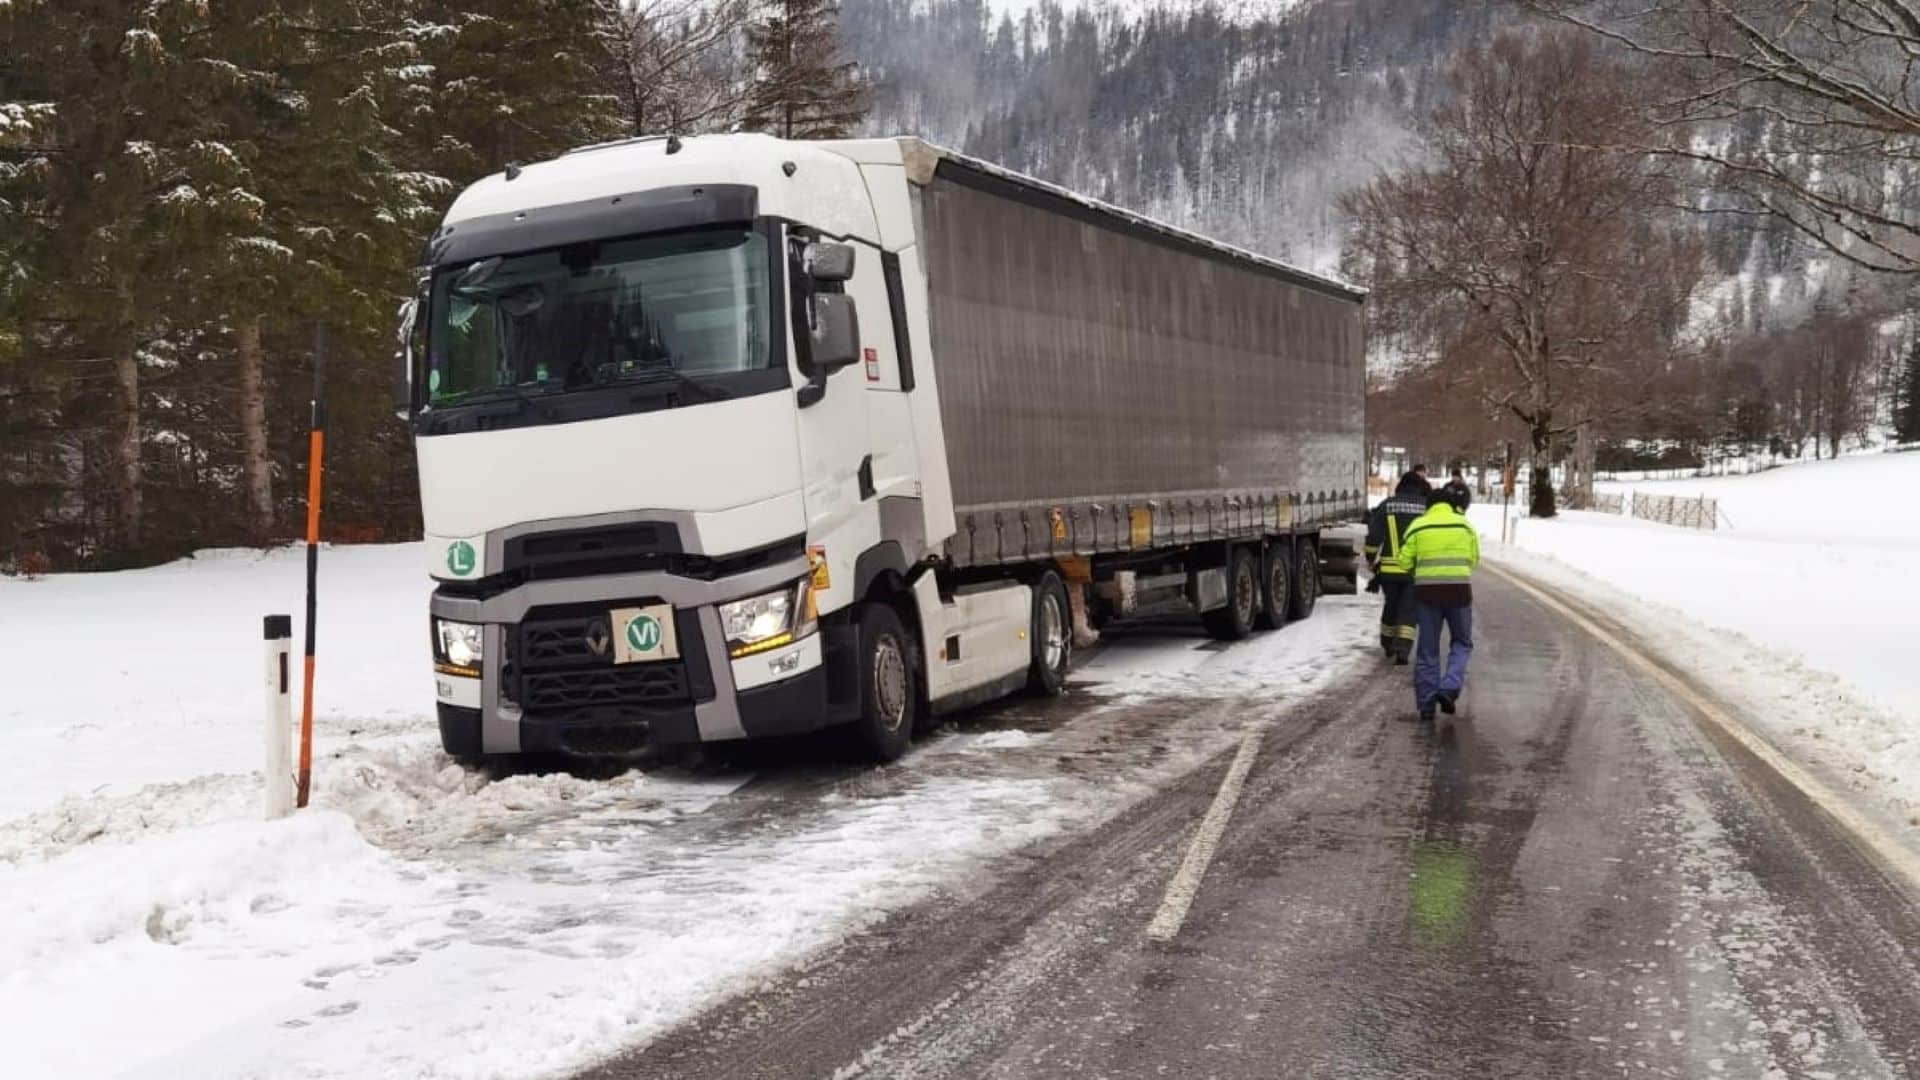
(1387, 533)
(1441, 548)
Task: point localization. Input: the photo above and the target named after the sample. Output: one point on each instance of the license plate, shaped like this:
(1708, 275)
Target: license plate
(642, 634)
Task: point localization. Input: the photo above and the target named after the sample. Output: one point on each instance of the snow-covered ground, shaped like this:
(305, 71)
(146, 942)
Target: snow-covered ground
(1803, 611)
(425, 921)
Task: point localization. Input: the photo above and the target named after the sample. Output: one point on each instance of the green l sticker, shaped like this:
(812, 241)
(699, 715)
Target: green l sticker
(460, 558)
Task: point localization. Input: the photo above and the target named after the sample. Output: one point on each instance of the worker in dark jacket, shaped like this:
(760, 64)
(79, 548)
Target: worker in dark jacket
(1386, 529)
(1441, 549)
(1457, 485)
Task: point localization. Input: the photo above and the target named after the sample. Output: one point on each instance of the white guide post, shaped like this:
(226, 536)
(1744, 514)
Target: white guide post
(279, 762)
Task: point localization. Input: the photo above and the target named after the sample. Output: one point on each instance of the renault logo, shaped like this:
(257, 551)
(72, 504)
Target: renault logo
(598, 639)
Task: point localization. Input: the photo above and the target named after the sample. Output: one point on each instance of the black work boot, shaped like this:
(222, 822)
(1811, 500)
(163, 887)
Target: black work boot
(1426, 715)
(1446, 698)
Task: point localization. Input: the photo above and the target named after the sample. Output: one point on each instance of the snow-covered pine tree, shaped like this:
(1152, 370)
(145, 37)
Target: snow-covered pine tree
(802, 89)
(309, 212)
(1906, 400)
(94, 159)
(498, 81)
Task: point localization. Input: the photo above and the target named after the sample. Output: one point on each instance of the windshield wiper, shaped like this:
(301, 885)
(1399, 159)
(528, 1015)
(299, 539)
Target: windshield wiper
(668, 376)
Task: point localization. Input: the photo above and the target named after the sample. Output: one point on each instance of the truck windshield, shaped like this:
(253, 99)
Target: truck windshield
(600, 313)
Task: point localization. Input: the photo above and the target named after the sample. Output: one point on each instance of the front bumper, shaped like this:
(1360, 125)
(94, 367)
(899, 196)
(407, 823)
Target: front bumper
(540, 690)
(792, 706)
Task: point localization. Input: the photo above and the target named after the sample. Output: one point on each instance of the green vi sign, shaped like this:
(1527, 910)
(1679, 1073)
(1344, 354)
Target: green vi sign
(460, 558)
(643, 634)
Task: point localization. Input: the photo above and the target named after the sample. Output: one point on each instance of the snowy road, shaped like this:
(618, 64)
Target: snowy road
(1576, 879)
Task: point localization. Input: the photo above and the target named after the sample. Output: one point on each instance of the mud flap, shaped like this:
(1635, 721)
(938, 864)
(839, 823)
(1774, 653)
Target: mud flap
(1084, 635)
(840, 655)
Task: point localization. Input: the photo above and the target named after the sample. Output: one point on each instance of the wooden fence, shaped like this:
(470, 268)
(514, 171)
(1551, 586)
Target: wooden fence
(1697, 513)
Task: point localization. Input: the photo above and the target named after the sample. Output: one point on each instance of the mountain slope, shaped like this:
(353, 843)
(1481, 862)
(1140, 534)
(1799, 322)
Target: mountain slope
(1245, 123)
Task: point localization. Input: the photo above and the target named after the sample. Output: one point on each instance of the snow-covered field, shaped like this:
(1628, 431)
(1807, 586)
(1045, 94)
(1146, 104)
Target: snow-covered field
(425, 921)
(1803, 612)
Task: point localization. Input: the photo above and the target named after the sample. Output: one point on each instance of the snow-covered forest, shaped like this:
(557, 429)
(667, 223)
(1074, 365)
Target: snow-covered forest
(197, 199)
(193, 195)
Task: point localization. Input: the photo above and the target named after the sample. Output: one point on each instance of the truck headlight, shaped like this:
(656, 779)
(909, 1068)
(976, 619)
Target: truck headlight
(769, 620)
(460, 643)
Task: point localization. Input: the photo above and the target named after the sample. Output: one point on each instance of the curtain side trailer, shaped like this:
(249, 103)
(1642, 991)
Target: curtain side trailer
(732, 436)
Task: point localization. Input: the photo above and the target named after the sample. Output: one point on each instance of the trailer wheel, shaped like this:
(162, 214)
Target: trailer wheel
(889, 687)
(1306, 580)
(1235, 620)
(1277, 591)
(1052, 636)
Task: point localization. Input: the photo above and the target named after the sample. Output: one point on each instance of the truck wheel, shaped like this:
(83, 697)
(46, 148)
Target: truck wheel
(1235, 621)
(1052, 636)
(889, 684)
(1306, 580)
(1276, 592)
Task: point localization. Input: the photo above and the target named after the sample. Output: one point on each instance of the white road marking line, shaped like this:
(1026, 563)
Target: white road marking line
(1186, 881)
(1893, 855)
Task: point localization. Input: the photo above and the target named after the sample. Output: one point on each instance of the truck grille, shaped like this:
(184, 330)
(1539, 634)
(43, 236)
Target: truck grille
(565, 641)
(662, 683)
(560, 665)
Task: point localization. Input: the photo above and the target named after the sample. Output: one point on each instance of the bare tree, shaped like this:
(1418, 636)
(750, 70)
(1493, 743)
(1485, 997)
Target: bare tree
(677, 66)
(1808, 110)
(1839, 359)
(1521, 258)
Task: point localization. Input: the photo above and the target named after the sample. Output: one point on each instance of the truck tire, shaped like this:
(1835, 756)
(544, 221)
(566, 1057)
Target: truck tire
(889, 684)
(1306, 580)
(1050, 631)
(1276, 590)
(1235, 621)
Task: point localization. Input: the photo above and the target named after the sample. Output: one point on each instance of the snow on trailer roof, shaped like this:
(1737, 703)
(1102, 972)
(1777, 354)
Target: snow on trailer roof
(922, 158)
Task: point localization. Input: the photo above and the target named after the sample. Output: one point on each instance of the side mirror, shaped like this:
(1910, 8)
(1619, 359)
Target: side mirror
(404, 360)
(829, 263)
(834, 328)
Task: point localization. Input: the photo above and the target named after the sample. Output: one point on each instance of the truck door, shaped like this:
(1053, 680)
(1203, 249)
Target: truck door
(835, 455)
(875, 287)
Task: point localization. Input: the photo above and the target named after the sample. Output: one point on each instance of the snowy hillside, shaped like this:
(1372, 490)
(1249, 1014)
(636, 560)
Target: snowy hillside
(1240, 120)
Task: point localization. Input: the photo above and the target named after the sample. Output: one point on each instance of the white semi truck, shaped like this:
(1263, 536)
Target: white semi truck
(724, 437)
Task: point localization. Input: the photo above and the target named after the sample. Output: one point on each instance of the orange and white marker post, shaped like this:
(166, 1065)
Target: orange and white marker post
(279, 763)
(316, 456)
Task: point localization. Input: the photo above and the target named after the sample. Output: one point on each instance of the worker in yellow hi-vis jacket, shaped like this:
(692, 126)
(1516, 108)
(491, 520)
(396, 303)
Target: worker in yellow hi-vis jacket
(1441, 549)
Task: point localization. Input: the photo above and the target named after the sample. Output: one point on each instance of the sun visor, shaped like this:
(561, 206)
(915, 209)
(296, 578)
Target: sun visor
(655, 210)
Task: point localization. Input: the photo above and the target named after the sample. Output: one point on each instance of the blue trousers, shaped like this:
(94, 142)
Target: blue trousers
(1427, 679)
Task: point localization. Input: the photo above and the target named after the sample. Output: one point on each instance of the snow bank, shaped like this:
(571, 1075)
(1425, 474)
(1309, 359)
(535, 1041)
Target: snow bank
(1176, 658)
(120, 952)
(1004, 740)
(120, 680)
